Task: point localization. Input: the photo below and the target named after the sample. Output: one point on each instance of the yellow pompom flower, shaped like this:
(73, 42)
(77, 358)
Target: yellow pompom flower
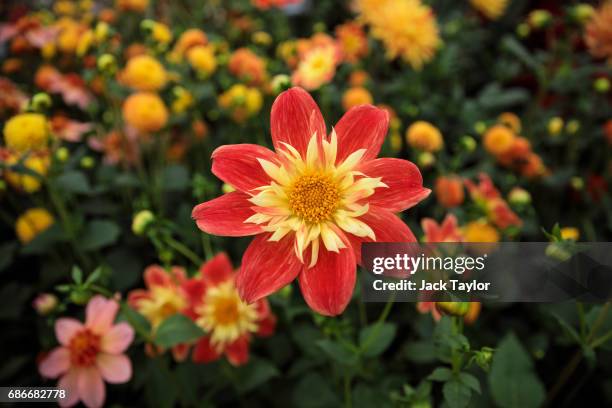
(424, 136)
(511, 120)
(31, 223)
(183, 100)
(407, 28)
(26, 131)
(492, 9)
(570, 233)
(356, 96)
(317, 68)
(144, 73)
(242, 101)
(498, 140)
(27, 182)
(480, 231)
(555, 126)
(161, 33)
(202, 59)
(145, 112)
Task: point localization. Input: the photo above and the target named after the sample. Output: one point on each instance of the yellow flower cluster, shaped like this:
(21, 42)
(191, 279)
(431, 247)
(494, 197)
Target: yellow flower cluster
(242, 101)
(408, 29)
(31, 223)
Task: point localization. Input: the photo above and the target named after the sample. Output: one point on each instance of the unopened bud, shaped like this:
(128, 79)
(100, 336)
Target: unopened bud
(519, 196)
(62, 154)
(107, 64)
(40, 102)
(44, 303)
(281, 83)
(602, 85)
(453, 308)
(141, 221)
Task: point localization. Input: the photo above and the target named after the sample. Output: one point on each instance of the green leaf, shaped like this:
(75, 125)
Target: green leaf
(98, 234)
(73, 182)
(314, 391)
(77, 275)
(256, 373)
(441, 374)
(376, 338)
(456, 394)
(175, 330)
(568, 328)
(512, 379)
(470, 381)
(337, 352)
(135, 319)
(43, 242)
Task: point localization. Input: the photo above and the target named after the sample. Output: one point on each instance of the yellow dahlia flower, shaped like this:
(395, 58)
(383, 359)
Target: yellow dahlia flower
(38, 163)
(144, 73)
(408, 29)
(31, 223)
(26, 131)
(492, 9)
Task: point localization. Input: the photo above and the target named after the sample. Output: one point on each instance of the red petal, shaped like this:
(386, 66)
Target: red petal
(194, 289)
(237, 165)
(404, 180)
(387, 227)
(328, 286)
(204, 352)
(217, 270)
(294, 119)
(225, 215)
(362, 127)
(267, 320)
(267, 267)
(238, 352)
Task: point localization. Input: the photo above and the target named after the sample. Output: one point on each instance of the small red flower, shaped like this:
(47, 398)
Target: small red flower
(486, 194)
(447, 231)
(215, 306)
(312, 201)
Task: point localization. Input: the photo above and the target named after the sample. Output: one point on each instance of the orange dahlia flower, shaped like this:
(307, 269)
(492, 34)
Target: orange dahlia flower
(215, 306)
(447, 231)
(598, 32)
(312, 201)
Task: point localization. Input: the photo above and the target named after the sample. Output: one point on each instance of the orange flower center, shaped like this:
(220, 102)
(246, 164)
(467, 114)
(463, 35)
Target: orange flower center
(226, 310)
(84, 348)
(314, 197)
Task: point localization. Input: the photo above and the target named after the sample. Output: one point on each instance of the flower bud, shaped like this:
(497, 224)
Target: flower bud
(484, 357)
(141, 221)
(45, 303)
(79, 297)
(582, 12)
(453, 308)
(107, 64)
(62, 154)
(573, 126)
(523, 30)
(88, 162)
(570, 233)
(426, 159)
(468, 143)
(519, 196)
(577, 183)
(227, 188)
(556, 251)
(40, 102)
(281, 83)
(480, 127)
(602, 85)
(101, 32)
(555, 126)
(539, 18)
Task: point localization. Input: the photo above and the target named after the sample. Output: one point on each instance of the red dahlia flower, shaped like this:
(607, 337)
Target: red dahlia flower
(312, 201)
(215, 306)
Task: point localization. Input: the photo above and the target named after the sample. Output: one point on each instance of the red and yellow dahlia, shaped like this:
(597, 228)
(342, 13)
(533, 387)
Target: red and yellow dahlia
(312, 201)
(215, 306)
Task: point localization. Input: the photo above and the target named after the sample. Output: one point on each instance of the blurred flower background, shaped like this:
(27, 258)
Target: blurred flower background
(121, 120)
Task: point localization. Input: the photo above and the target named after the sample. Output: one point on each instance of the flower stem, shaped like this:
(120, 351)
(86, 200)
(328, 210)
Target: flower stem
(188, 253)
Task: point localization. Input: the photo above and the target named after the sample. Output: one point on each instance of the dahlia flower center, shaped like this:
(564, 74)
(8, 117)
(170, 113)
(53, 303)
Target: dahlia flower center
(314, 197)
(225, 315)
(84, 348)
